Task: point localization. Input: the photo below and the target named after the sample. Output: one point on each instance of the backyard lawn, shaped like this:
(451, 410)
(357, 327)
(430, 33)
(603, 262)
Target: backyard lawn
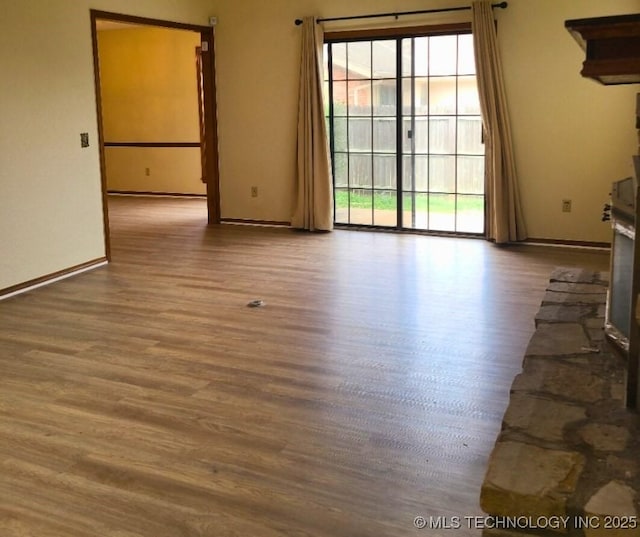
(442, 203)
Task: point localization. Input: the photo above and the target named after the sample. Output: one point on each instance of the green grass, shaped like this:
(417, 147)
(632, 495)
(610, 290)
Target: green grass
(386, 201)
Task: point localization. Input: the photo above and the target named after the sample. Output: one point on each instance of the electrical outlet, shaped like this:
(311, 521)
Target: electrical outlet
(566, 206)
(254, 191)
(84, 139)
(147, 171)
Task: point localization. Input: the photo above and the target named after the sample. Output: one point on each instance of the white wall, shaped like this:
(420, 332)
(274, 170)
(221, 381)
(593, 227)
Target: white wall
(50, 193)
(572, 137)
(258, 63)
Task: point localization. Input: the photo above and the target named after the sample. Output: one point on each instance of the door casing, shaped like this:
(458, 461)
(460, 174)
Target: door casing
(210, 172)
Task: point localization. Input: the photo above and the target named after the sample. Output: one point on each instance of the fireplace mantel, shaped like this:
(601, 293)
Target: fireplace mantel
(612, 46)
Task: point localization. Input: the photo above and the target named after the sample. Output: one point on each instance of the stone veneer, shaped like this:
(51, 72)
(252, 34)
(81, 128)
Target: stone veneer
(567, 460)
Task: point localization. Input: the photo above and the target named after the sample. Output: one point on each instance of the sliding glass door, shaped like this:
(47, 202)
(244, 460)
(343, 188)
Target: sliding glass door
(406, 108)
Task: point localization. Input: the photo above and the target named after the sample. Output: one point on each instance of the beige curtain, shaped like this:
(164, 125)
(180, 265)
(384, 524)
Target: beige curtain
(505, 222)
(314, 199)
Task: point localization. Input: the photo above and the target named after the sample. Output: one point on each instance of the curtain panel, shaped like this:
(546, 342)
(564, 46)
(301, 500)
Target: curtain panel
(504, 219)
(314, 197)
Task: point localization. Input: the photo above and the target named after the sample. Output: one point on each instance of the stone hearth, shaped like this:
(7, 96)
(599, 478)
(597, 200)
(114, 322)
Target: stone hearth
(567, 461)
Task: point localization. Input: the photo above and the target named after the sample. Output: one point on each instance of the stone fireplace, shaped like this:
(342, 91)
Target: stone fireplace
(566, 461)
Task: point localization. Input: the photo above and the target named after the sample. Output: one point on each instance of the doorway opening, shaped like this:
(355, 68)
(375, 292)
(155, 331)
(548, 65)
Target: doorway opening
(155, 88)
(406, 131)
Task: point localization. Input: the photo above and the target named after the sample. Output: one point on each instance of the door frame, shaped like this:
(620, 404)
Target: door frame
(397, 34)
(209, 147)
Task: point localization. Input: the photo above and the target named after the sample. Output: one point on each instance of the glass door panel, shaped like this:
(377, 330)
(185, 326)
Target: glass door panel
(443, 154)
(363, 126)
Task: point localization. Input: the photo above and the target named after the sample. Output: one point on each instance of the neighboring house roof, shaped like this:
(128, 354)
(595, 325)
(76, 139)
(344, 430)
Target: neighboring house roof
(358, 57)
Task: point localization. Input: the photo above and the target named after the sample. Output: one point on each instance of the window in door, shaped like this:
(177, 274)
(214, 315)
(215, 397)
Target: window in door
(406, 108)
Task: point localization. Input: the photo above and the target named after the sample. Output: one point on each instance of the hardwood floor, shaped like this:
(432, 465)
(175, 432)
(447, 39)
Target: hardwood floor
(145, 399)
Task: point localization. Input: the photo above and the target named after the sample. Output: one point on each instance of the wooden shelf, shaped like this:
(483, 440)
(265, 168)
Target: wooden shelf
(612, 46)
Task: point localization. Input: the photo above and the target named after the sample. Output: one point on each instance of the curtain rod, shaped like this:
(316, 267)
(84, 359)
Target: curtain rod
(501, 5)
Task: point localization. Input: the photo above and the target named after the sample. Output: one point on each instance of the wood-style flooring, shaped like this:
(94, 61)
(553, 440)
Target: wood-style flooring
(145, 399)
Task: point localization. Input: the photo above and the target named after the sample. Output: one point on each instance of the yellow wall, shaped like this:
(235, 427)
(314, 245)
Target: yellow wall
(50, 194)
(572, 137)
(149, 94)
(174, 170)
